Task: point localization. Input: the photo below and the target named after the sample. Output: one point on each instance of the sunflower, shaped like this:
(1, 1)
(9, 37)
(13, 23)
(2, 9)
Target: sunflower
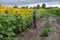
(16, 10)
(6, 11)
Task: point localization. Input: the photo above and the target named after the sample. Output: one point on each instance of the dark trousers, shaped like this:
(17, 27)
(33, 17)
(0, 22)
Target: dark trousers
(34, 22)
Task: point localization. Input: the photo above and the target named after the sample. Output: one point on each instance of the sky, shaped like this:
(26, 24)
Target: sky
(30, 2)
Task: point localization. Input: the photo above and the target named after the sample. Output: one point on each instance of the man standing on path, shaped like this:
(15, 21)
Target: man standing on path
(34, 17)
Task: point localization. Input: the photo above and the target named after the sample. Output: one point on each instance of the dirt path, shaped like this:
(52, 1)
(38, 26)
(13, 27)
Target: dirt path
(33, 34)
(54, 32)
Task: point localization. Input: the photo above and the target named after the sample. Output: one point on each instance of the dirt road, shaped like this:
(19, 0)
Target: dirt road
(33, 34)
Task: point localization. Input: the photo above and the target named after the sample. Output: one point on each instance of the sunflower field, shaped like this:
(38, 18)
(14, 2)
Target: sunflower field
(16, 20)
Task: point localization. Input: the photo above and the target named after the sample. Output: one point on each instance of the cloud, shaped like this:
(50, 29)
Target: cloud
(24, 2)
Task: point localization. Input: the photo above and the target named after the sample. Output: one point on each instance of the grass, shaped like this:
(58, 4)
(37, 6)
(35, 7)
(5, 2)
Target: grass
(46, 30)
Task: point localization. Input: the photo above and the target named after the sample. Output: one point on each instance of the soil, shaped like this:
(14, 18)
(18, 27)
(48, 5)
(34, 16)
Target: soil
(34, 34)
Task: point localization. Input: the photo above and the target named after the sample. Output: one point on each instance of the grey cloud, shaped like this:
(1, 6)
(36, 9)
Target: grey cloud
(23, 2)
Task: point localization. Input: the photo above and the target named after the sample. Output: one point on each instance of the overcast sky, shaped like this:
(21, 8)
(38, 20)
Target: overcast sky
(27, 2)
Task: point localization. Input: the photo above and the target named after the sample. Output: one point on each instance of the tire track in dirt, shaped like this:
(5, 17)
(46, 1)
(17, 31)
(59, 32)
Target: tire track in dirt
(34, 33)
(54, 32)
(39, 29)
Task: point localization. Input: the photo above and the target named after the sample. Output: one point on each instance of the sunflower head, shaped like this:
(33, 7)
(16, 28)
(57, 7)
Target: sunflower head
(16, 11)
(6, 11)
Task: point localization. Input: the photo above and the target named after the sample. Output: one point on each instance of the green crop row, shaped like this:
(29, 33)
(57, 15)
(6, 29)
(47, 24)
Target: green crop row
(46, 30)
(51, 12)
(11, 24)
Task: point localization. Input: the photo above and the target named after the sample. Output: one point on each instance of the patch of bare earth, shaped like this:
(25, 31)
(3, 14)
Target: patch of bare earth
(33, 34)
(54, 32)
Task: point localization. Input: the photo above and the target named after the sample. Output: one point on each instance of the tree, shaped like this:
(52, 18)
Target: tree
(31, 7)
(23, 7)
(38, 6)
(26, 6)
(0, 4)
(43, 5)
(15, 6)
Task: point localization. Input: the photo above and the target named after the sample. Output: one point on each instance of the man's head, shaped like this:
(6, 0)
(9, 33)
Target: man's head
(35, 7)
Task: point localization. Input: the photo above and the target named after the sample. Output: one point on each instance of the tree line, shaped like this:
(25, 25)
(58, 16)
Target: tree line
(37, 6)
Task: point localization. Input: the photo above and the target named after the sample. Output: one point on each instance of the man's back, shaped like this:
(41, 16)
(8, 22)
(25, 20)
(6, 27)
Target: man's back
(34, 12)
